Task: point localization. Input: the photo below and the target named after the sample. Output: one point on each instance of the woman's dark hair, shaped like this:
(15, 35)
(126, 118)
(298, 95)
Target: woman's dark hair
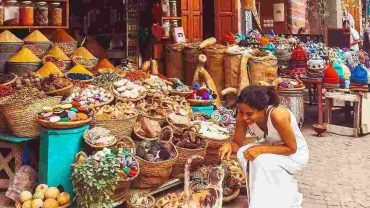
(259, 97)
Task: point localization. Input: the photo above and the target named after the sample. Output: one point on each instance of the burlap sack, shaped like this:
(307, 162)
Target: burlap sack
(215, 64)
(232, 63)
(191, 53)
(262, 69)
(174, 61)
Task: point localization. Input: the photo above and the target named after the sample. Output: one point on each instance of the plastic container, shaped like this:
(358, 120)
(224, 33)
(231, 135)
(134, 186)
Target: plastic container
(11, 13)
(55, 14)
(26, 12)
(208, 110)
(41, 14)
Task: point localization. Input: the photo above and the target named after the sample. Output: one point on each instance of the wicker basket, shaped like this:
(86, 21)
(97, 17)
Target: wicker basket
(12, 81)
(120, 98)
(214, 145)
(99, 147)
(66, 91)
(174, 127)
(181, 94)
(142, 137)
(21, 117)
(21, 68)
(231, 197)
(160, 120)
(184, 155)
(19, 205)
(67, 47)
(122, 127)
(42, 45)
(63, 125)
(151, 204)
(103, 103)
(200, 102)
(154, 174)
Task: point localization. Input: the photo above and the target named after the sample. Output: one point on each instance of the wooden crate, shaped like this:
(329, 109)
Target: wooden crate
(11, 155)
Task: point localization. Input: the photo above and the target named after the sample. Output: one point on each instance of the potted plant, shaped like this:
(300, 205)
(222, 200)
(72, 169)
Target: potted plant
(94, 181)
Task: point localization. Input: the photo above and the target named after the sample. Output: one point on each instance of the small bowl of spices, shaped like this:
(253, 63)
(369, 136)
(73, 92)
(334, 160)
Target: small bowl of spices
(80, 73)
(60, 37)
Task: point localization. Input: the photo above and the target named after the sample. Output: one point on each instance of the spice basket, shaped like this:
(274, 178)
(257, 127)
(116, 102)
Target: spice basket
(181, 94)
(91, 65)
(154, 174)
(184, 155)
(12, 81)
(231, 197)
(42, 45)
(67, 47)
(10, 47)
(84, 81)
(121, 127)
(200, 102)
(142, 137)
(99, 147)
(21, 117)
(61, 92)
(123, 186)
(24, 67)
(151, 204)
(63, 125)
(18, 205)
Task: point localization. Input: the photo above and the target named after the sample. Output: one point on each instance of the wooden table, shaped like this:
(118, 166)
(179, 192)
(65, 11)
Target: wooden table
(317, 82)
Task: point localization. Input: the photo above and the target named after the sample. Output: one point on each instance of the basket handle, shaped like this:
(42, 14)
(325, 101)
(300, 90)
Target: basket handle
(171, 134)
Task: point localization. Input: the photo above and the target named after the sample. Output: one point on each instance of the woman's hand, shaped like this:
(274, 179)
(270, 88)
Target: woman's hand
(227, 149)
(253, 152)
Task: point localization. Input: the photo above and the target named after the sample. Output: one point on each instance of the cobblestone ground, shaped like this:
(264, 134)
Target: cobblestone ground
(338, 173)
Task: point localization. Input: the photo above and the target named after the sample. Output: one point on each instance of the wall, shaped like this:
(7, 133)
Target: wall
(266, 12)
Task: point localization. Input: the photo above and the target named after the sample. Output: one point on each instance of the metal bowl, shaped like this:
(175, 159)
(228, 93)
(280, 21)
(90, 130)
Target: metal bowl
(22, 67)
(10, 47)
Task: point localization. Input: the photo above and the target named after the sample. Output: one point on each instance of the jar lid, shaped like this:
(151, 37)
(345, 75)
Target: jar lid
(55, 4)
(26, 2)
(41, 3)
(11, 1)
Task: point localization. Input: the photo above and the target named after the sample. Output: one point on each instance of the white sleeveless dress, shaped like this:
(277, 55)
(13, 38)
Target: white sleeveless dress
(270, 180)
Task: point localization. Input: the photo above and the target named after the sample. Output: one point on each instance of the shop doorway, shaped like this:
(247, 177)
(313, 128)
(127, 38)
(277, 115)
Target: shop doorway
(208, 19)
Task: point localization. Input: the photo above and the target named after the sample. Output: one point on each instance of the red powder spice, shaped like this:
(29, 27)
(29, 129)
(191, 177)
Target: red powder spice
(61, 36)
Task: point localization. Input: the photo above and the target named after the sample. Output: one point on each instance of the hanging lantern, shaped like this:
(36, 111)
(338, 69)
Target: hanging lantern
(248, 5)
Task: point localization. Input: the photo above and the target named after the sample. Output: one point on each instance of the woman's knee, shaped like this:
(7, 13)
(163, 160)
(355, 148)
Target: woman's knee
(266, 160)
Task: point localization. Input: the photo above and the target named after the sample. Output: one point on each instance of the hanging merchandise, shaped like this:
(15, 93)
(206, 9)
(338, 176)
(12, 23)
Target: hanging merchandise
(248, 5)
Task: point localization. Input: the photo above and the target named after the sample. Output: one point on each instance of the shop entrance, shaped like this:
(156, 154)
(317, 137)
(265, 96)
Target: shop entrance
(209, 18)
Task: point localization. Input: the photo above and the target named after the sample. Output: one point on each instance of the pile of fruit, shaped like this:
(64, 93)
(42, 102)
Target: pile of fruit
(44, 197)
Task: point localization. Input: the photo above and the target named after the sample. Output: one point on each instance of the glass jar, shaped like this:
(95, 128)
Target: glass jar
(1, 14)
(41, 14)
(167, 28)
(11, 13)
(166, 8)
(55, 14)
(26, 13)
(173, 8)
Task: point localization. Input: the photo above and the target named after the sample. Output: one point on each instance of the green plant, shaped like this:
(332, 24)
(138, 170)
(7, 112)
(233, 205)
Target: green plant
(94, 182)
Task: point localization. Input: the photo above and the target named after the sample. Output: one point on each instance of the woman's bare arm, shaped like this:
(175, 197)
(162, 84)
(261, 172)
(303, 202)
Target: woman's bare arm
(239, 134)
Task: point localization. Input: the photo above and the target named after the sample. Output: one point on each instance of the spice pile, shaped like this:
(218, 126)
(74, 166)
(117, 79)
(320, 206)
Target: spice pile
(53, 82)
(118, 112)
(35, 50)
(79, 72)
(154, 151)
(58, 62)
(48, 69)
(6, 91)
(58, 53)
(87, 63)
(28, 80)
(7, 37)
(148, 128)
(155, 85)
(127, 89)
(24, 56)
(25, 96)
(64, 113)
(61, 35)
(104, 66)
(83, 52)
(136, 75)
(36, 36)
(105, 79)
(99, 136)
(67, 49)
(90, 96)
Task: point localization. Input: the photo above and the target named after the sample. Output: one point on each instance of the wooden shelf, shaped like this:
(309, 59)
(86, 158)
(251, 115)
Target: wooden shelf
(171, 18)
(52, 0)
(32, 27)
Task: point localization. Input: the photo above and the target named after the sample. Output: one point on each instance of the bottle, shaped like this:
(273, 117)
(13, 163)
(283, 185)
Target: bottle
(11, 13)
(26, 13)
(41, 14)
(55, 14)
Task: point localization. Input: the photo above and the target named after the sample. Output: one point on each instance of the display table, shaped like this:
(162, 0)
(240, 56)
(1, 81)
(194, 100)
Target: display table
(58, 148)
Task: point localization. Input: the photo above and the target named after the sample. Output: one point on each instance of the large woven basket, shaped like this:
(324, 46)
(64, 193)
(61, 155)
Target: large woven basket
(184, 155)
(118, 128)
(136, 127)
(213, 147)
(21, 117)
(63, 125)
(154, 174)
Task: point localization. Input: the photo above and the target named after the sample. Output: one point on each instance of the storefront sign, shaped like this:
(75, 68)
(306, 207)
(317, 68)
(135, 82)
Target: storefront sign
(279, 13)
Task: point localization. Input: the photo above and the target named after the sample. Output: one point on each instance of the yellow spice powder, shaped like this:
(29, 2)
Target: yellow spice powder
(48, 69)
(79, 69)
(8, 37)
(24, 55)
(36, 36)
(58, 53)
(82, 51)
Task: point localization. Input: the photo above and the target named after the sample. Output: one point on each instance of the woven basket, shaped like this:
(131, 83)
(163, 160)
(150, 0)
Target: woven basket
(63, 125)
(120, 98)
(231, 197)
(154, 174)
(161, 120)
(181, 94)
(99, 147)
(142, 137)
(184, 155)
(66, 91)
(214, 145)
(19, 205)
(174, 127)
(118, 128)
(200, 102)
(11, 81)
(103, 103)
(21, 117)
(150, 205)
